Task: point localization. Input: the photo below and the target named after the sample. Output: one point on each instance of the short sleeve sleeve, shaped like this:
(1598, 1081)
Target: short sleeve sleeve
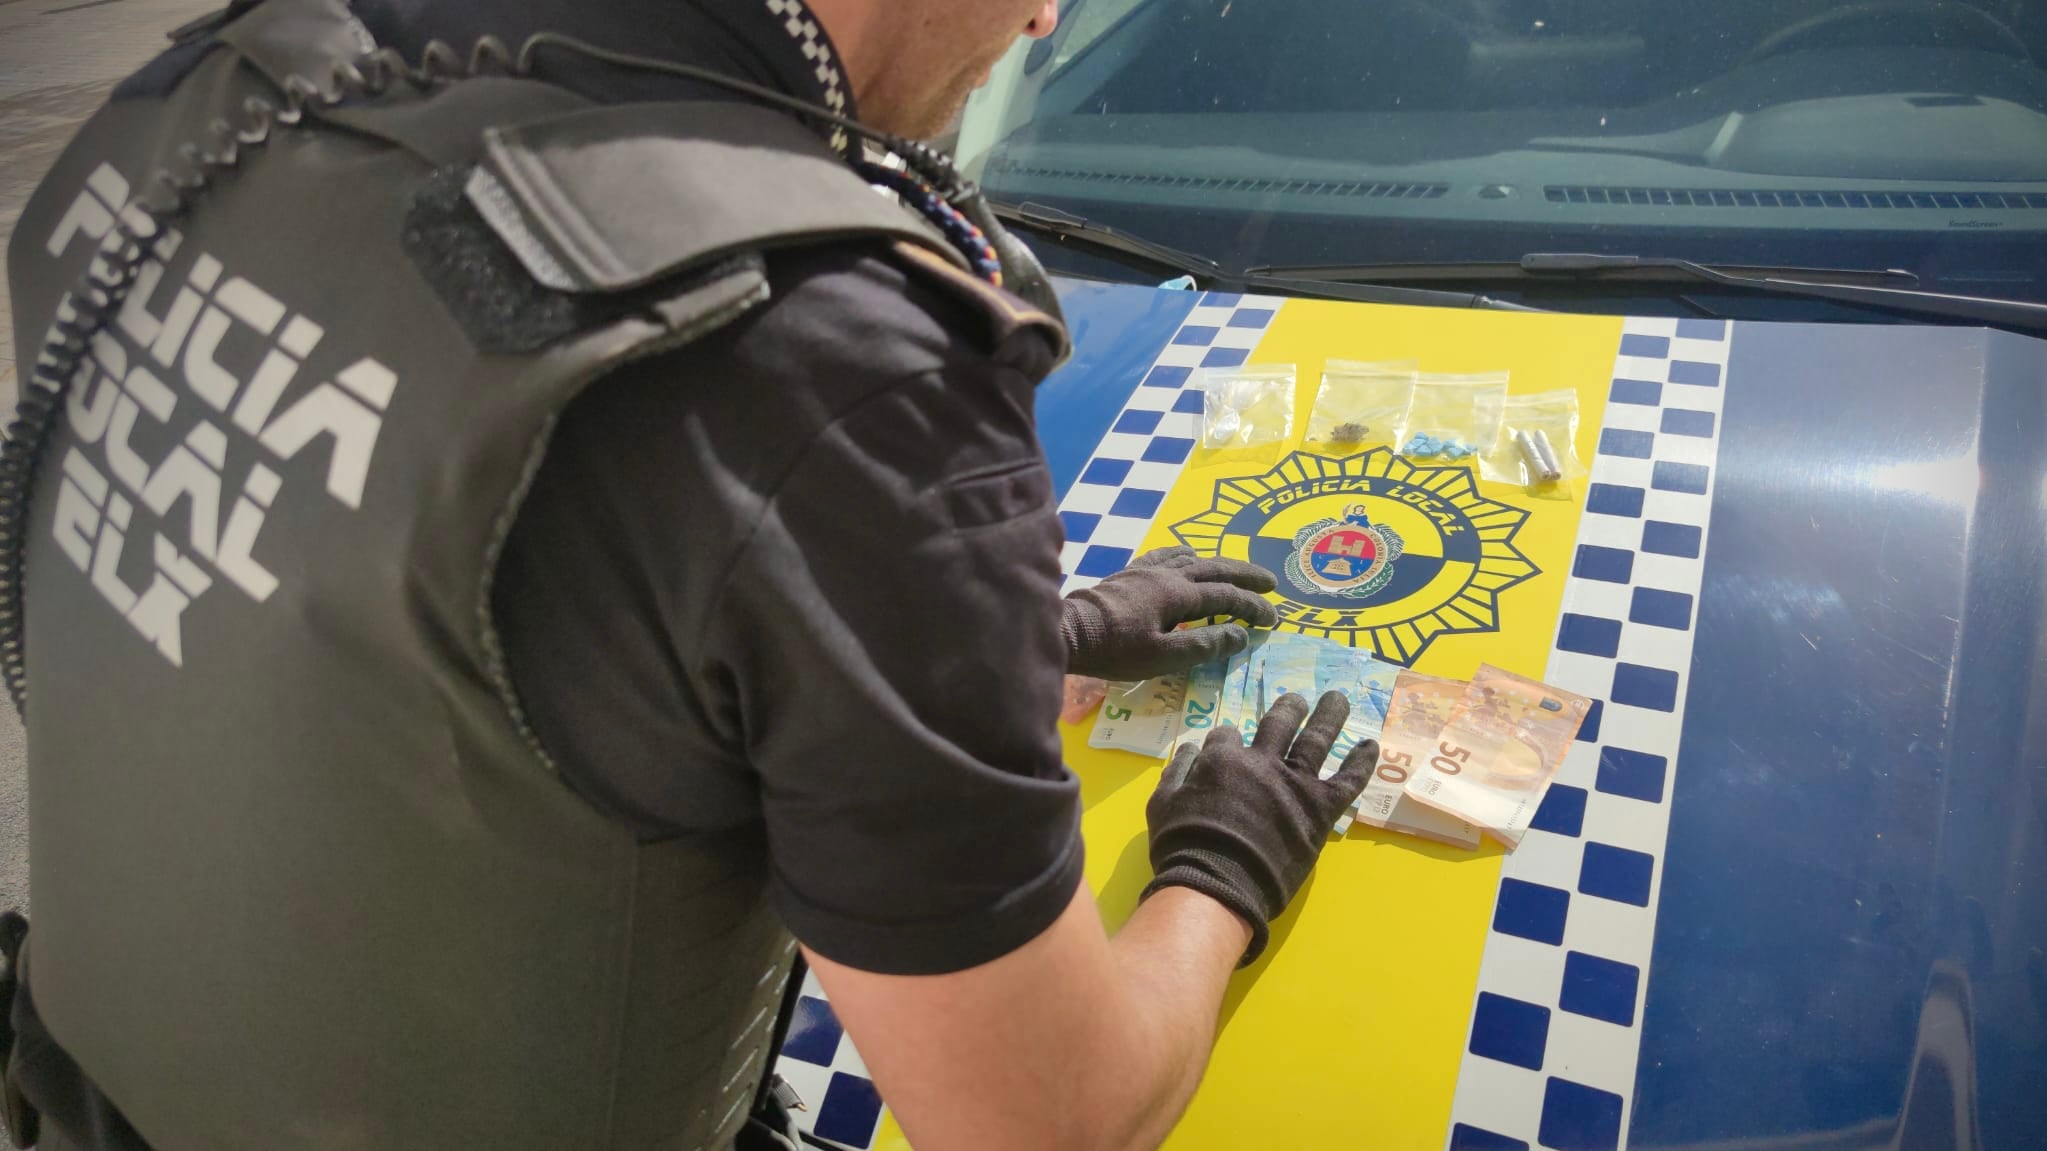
(890, 636)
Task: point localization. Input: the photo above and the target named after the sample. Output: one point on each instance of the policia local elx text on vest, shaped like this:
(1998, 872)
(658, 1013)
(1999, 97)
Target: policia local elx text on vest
(303, 877)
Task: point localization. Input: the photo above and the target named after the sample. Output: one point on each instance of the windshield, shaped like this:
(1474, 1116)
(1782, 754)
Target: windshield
(1905, 134)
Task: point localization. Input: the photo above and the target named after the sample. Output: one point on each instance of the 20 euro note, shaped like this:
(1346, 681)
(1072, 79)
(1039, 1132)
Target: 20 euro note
(1140, 717)
(1229, 692)
(1239, 691)
(1277, 663)
(1287, 669)
(1498, 751)
(1239, 686)
(1421, 706)
(1291, 666)
(1367, 684)
(1201, 709)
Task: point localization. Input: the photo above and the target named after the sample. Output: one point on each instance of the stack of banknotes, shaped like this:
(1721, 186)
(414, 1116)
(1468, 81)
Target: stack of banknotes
(1457, 759)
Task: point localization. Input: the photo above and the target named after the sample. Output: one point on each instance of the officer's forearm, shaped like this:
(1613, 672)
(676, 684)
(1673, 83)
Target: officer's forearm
(1176, 955)
(1073, 1041)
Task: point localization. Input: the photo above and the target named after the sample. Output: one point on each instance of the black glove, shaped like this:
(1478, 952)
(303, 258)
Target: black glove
(1244, 825)
(1123, 627)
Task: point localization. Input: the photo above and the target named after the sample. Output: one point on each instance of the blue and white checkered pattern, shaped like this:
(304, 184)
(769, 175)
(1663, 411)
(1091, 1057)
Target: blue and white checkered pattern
(818, 1060)
(1556, 1030)
(1110, 508)
(810, 38)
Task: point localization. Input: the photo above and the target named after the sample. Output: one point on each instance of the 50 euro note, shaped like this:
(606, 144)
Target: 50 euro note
(1420, 708)
(1497, 751)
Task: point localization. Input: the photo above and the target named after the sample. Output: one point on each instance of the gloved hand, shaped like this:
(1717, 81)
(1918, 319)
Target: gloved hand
(1244, 825)
(1123, 627)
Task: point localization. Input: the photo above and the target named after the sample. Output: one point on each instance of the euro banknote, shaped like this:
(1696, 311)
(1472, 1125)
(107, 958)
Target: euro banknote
(1201, 708)
(1420, 706)
(1140, 717)
(1497, 751)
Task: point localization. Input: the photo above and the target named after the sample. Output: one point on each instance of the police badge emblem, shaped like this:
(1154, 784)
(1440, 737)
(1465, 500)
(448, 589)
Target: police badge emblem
(1372, 550)
(1350, 557)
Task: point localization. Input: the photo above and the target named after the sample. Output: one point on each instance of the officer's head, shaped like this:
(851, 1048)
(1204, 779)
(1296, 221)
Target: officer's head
(913, 62)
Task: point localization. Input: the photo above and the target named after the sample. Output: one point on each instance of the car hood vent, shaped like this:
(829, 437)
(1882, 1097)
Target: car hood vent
(1761, 198)
(1360, 188)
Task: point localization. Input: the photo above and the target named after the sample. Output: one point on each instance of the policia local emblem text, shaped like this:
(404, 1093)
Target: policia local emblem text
(1374, 551)
(176, 330)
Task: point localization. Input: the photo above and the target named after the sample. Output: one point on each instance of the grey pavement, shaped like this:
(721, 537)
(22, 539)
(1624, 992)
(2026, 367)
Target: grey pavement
(57, 60)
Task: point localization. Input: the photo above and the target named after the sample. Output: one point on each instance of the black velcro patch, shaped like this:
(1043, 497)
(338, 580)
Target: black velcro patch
(489, 293)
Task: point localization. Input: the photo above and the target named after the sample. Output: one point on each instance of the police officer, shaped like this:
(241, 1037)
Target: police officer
(506, 529)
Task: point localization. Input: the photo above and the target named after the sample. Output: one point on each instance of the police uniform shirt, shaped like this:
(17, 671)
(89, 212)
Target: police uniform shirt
(800, 580)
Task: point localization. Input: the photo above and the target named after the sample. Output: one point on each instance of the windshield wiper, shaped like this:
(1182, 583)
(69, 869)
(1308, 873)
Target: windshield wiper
(1066, 226)
(1888, 289)
(1078, 231)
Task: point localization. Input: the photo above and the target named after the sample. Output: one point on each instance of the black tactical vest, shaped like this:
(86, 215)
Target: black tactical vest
(304, 878)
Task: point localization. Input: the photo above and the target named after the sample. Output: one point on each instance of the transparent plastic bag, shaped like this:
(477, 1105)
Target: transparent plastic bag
(1247, 407)
(1453, 417)
(1084, 693)
(1537, 447)
(1360, 404)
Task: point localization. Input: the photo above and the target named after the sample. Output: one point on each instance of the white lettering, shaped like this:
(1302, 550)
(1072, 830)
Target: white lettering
(208, 380)
(81, 472)
(329, 411)
(159, 610)
(183, 476)
(135, 319)
(371, 380)
(106, 558)
(78, 508)
(89, 213)
(155, 398)
(275, 374)
(142, 391)
(183, 326)
(178, 324)
(111, 185)
(89, 416)
(127, 467)
(210, 442)
(110, 354)
(236, 544)
(265, 388)
(77, 522)
(78, 504)
(301, 336)
(263, 484)
(252, 306)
